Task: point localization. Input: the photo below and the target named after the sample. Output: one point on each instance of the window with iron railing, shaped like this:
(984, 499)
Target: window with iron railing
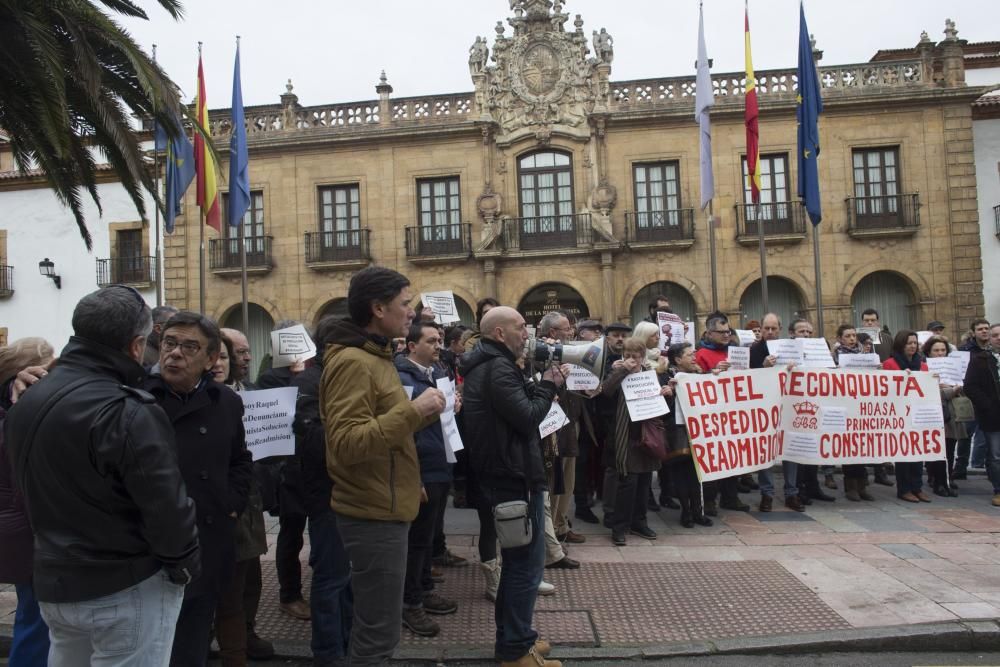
(254, 238)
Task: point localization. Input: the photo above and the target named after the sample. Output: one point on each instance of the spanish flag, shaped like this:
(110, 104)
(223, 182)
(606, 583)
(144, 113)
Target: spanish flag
(208, 192)
(750, 118)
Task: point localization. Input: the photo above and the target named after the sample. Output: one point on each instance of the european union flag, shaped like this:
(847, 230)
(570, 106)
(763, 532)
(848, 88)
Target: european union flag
(239, 161)
(180, 170)
(809, 107)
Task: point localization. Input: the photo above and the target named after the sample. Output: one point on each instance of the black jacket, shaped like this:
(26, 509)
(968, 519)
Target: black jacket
(100, 477)
(310, 443)
(982, 386)
(215, 465)
(502, 413)
(434, 466)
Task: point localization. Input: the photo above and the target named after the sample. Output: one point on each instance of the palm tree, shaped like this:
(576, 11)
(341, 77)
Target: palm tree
(70, 80)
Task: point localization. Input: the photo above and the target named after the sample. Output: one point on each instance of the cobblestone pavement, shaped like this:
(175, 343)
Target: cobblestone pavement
(837, 566)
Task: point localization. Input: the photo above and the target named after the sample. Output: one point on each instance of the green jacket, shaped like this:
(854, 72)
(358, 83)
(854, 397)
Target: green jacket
(369, 423)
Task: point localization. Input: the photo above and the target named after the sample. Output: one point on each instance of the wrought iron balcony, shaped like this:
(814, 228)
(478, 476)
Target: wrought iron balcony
(126, 271)
(996, 219)
(224, 254)
(646, 229)
(784, 222)
(548, 232)
(885, 215)
(6, 281)
(340, 249)
(438, 241)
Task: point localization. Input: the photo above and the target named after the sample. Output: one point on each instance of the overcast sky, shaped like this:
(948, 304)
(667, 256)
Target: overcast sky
(333, 50)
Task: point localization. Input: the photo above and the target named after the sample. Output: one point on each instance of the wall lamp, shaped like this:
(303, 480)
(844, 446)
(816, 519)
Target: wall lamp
(47, 268)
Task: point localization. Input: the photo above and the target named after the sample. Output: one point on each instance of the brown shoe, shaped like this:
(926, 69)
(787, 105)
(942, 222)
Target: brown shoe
(298, 609)
(794, 503)
(922, 497)
(909, 497)
(575, 538)
(531, 659)
(542, 647)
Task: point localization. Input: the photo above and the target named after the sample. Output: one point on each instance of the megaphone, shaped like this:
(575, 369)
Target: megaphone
(583, 353)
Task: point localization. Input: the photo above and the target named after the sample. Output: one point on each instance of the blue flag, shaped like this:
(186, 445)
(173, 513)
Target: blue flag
(810, 104)
(239, 161)
(180, 170)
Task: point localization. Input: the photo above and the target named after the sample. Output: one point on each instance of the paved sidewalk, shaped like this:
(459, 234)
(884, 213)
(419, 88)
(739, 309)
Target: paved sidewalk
(840, 569)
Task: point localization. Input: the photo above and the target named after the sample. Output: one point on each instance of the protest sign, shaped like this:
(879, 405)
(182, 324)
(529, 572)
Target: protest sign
(815, 353)
(733, 421)
(873, 333)
(291, 345)
(860, 417)
(640, 409)
(452, 438)
(739, 358)
(640, 385)
(553, 421)
(689, 336)
(443, 305)
(580, 379)
(963, 357)
(786, 350)
(870, 360)
(922, 337)
(948, 370)
(746, 337)
(671, 329)
(267, 420)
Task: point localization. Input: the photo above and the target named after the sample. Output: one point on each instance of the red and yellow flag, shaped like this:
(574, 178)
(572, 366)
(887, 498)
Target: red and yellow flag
(750, 118)
(208, 191)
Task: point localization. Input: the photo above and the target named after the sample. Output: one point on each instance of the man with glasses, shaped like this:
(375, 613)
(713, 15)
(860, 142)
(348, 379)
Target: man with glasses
(714, 351)
(114, 529)
(211, 446)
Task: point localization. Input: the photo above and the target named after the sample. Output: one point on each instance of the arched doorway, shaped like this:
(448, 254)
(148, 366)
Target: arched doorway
(783, 298)
(547, 297)
(681, 301)
(890, 295)
(467, 317)
(259, 335)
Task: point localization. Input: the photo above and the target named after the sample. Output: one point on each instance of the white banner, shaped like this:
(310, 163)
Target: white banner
(267, 420)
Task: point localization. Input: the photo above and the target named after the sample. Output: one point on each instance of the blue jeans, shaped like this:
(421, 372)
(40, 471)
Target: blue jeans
(790, 472)
(519, 579)
(330, 600)
(30, 645)
(133, 627)
(979, 448)
(992, 439)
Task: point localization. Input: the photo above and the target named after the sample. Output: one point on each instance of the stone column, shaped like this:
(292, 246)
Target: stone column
(610, 304)
(384, 90)
(490, 278)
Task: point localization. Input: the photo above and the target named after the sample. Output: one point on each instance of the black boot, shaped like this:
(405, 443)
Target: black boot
(881, 477)
(687, 519)
(698, 512)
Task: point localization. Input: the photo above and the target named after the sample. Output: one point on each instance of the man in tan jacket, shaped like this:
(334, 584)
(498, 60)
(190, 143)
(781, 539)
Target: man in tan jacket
(371, 457)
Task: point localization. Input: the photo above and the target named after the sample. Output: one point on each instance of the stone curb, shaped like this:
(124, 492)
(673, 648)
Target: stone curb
(966, 635)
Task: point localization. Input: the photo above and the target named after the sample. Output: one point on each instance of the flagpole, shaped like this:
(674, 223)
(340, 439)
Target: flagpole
(819, 282)
(156, 207)
(243, 249)
(763, 256)
(711, 250)
(201, 233)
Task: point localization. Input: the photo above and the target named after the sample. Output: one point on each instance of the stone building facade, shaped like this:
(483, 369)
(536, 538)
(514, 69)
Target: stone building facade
(552, 185)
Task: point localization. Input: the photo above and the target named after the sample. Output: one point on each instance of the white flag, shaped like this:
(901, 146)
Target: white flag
(703, 99)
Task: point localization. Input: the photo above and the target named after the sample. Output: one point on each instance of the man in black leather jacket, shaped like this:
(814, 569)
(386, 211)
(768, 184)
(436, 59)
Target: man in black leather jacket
(115, 534)
(502, 414)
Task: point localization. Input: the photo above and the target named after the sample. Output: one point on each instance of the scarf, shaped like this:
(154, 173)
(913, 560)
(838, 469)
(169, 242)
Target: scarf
(913, 363)
(843, 349)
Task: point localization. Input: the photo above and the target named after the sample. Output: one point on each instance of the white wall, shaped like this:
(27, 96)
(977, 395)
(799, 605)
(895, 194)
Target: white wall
(986, 140)
(39, 226)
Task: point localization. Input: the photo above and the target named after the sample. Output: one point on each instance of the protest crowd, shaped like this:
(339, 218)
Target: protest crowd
(132, 508)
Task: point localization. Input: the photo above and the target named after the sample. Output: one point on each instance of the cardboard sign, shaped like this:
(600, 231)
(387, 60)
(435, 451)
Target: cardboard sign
(739, 358)
(859, 417)
(553, 421)
(580, 379)
(869, 360)
(443, 305)
(452, 438)
(746, 337)
(640, 385)
(948, 370)
(733, 421)
(267, 421)
(291, 345)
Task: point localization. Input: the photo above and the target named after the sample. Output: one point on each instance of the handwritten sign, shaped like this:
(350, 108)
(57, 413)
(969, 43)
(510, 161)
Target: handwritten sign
(640, 385)
(739, 358)
(869, 360)
(443, 305)
(267, 420)
(553, 421)
(580, 379)
(291, 345)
